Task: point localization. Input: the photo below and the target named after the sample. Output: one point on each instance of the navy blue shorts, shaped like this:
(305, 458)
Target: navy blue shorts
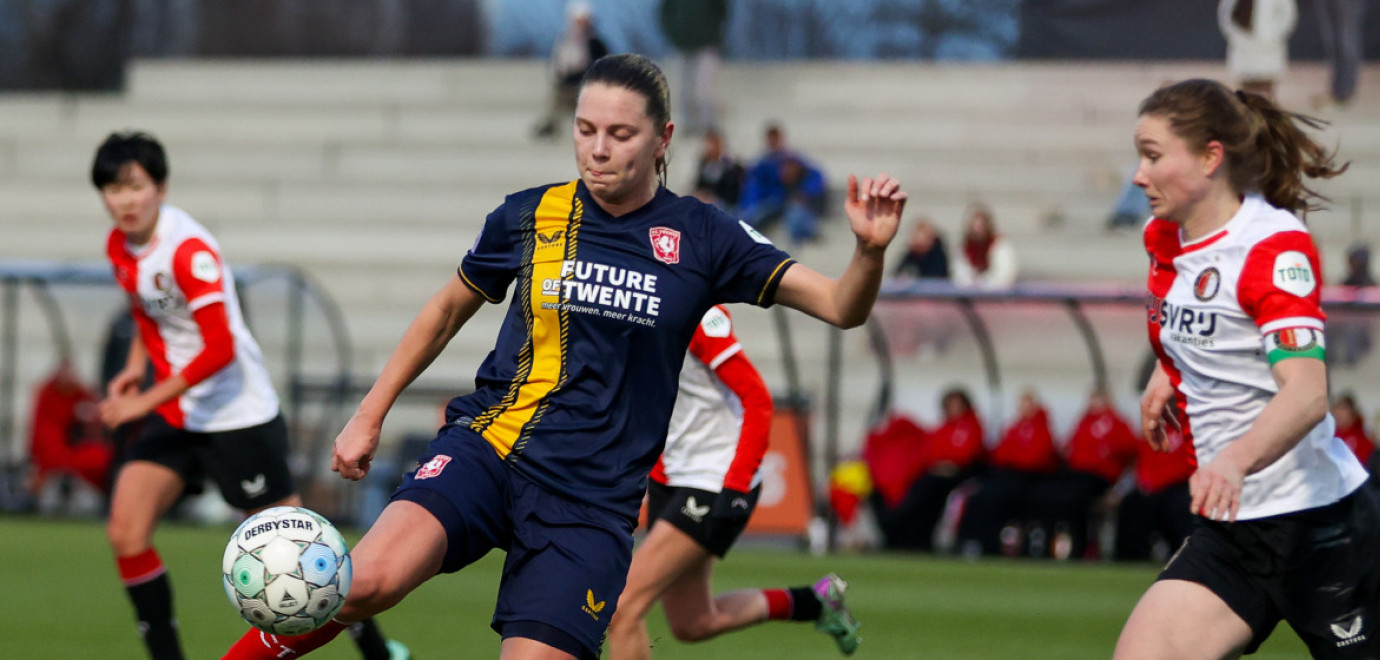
(567, 561)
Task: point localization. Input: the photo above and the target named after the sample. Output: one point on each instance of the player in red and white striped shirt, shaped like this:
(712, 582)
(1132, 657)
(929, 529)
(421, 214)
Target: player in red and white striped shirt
(702, 492)
(211, 412)
(1284, 529)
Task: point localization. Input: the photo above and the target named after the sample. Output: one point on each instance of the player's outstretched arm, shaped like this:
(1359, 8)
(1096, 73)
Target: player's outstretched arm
(426, 337)
(874, 208)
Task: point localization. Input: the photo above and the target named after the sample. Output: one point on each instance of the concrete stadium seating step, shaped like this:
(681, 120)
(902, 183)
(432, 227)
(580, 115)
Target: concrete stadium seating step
(341, 83)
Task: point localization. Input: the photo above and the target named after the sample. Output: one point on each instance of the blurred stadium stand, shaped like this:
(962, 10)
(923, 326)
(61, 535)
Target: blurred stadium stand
(374, 176)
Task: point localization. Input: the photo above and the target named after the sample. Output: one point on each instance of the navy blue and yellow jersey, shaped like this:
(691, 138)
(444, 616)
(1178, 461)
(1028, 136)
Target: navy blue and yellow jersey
(578, 391)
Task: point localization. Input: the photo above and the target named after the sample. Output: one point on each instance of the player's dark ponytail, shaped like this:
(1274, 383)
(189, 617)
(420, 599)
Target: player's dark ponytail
(1288, 154)
(1266, 147)
(639, 74)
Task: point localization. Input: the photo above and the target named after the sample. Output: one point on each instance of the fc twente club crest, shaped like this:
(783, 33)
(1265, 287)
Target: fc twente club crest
(665, 244)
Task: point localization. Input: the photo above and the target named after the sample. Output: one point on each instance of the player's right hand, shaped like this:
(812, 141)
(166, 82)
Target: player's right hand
(1156, 414)
(355, 447)
(127, 381)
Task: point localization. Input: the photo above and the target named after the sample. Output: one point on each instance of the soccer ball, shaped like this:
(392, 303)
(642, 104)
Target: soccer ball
(286, 570)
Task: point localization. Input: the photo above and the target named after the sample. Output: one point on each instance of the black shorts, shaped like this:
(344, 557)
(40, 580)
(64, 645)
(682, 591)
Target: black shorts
(1318, 569)
(691, 511)
(249, 465)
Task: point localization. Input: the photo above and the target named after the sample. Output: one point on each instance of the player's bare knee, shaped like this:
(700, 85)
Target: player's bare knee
(371, 592)
(125, 540)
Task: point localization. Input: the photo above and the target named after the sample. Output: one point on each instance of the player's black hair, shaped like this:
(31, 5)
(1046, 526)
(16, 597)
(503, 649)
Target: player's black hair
(128, 147)
(639, 74)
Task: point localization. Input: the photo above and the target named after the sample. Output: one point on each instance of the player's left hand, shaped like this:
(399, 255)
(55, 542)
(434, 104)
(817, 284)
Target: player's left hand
(1216, 489)
(121, 409)
(874, 208)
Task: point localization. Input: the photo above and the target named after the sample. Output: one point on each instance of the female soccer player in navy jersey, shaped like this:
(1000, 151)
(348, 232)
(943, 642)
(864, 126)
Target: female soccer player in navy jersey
(211, 412)
(1284, 529)
(548, 458)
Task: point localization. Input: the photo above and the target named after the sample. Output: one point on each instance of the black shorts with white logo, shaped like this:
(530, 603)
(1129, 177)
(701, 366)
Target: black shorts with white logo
(1318, 570)
(691, 511)
(249, 465)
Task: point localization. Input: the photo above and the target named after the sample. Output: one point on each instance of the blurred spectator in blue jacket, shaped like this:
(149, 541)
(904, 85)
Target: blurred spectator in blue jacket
(783, 185)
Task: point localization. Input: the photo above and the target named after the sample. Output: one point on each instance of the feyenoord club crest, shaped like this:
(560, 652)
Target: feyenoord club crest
(665, 245)
(1205, 287)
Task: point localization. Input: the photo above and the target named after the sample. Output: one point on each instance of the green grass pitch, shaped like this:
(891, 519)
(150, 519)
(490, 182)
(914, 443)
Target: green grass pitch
(62, 600)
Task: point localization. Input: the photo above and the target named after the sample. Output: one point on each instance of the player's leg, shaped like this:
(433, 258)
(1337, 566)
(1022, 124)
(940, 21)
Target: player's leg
(373, 645)
(1182, 620)
(404, 548)
(522, 648)
(665, 557)
(144, 491)
(694, 614)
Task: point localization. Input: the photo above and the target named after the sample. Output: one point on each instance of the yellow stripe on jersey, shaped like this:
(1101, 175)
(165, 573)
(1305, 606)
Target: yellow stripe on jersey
(761, 295)
(541, 362)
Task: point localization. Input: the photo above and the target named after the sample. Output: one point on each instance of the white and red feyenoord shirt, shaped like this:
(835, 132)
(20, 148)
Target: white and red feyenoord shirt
(1213, 303)
(177, 273)
(706, 447)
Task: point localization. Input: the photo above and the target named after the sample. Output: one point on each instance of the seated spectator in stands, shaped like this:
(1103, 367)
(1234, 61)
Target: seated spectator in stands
(1351, 428)
(1358, 266)
(988, 260)
(894, 454)
(718, 177)
(1349, 337)
(784, 186)
(1025, 455)
(946, 457)
(925, 254)
(1101, 449)
(1154, 510)
(66, 437)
